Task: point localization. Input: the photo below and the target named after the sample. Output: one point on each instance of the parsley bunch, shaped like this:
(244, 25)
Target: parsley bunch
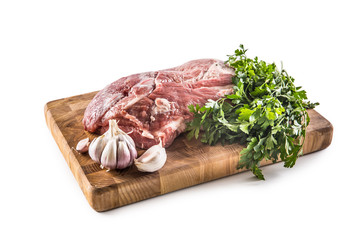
(266, 111)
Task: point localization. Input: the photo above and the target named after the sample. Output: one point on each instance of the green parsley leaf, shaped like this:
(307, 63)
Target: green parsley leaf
(266, 111)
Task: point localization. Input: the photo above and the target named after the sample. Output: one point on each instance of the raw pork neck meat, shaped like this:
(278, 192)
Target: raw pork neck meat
(154, 105)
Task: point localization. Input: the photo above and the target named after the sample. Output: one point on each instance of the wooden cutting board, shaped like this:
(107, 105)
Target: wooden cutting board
(188, 163)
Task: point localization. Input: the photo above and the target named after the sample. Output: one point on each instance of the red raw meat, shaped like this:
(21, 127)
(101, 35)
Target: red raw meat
(154, 105)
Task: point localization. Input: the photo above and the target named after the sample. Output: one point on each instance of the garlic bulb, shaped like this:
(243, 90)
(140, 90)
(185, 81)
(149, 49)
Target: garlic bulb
(114, 149)
(152, 160)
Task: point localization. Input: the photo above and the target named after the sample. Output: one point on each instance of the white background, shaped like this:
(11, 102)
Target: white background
(55, 49)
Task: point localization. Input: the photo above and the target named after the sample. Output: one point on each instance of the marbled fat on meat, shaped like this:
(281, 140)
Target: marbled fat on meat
(154, 105)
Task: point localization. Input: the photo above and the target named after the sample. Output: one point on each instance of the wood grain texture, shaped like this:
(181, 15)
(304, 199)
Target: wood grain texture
(189, 162)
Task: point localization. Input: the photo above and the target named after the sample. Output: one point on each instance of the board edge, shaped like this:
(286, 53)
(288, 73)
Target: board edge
(89, 191)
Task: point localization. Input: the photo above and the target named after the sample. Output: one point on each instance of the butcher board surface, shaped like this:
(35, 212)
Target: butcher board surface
(188, 162)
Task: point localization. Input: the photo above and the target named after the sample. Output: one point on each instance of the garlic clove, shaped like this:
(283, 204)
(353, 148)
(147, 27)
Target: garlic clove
(124, 157)
(152, 160)
(129, 140)
(124, 137)
(133, 152)
(108, 156)
(96, 148)
(131, 146)
(83, 145)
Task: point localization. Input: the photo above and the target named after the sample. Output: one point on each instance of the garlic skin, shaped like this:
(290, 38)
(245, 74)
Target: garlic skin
(83, 145)
(114, 149)
(152, 160)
